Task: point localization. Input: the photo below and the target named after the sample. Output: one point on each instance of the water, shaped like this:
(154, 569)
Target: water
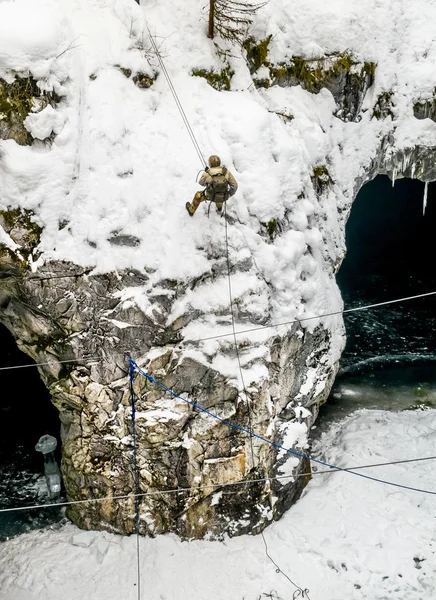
(389, 360)
(392, 383)
(26, 413)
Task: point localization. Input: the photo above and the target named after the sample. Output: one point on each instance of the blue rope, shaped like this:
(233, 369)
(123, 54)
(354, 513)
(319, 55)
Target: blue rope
(135, 468)
(151, 379)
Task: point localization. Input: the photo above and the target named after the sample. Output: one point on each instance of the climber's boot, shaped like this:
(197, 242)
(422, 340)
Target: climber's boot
(188, 208)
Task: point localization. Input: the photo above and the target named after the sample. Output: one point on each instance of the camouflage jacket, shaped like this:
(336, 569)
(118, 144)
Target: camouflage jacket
(206, 178)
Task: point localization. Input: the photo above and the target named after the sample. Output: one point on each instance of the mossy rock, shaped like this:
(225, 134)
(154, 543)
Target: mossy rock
(126, 72)
(257, 52)
(140, 79)
(17, 99)
(315, 73)
(21, 227)
(263, 83)
(346, 78)
(220, 81)
(143, 81)
(272, 229)
(321, 178)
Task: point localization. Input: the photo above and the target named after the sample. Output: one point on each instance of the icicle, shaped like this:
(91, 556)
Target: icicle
(425, 198)
(393, 177)
(412, 174)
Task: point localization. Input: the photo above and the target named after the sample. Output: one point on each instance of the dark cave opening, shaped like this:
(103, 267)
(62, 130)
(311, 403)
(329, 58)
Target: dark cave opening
(389, 361)
(26, 413)
(390, 254)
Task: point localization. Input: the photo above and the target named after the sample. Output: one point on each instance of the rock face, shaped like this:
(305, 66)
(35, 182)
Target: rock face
(96, 260)
(63, 313)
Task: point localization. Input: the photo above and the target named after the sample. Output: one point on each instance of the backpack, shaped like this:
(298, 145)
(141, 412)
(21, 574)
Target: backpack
(218, 188)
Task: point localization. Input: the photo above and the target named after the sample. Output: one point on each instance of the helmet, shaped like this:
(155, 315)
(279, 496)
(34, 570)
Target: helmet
(214, 161)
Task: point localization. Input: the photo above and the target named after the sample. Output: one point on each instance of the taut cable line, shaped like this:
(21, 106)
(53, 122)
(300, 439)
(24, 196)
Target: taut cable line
(177, 99)
(97, 360)
(302, 319)
(214, 485)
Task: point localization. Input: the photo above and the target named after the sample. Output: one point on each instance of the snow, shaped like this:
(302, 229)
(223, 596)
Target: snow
(345, 538)
(121, 162)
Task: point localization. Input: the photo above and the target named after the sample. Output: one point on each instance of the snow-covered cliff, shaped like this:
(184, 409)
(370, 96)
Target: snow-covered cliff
(99, 256)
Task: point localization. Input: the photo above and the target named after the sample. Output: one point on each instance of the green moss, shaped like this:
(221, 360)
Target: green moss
(321, 178)
(343, 64)
(263, 83)
(16, 98)
(22, 220)
(219, 81)
(320, 171)
(257, 53)
(316, 73)
(16, 102)
(369, 68)
(271, 228)
(306, 72)
(126, 72)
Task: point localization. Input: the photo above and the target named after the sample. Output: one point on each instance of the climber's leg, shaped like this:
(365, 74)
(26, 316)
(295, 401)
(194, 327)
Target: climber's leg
(192, 207)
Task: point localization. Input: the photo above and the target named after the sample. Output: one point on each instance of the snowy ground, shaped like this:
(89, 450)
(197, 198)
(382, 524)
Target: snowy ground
(346, 538)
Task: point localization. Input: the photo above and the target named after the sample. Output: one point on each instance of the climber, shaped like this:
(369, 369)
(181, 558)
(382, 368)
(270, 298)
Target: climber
(219, 183)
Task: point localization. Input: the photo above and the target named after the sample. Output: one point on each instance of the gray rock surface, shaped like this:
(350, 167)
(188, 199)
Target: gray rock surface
(78, 326)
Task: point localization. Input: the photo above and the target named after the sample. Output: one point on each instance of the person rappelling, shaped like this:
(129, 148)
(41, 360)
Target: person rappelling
(219, 183)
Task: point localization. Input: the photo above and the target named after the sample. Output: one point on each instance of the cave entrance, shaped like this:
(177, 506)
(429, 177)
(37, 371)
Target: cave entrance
(389, 360)
(390, 254)
(26, 413)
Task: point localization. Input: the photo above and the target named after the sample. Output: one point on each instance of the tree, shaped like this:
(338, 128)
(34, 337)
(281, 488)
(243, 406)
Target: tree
(230, 19)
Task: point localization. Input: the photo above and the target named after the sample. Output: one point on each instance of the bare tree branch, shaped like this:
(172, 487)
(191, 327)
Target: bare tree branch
(230, 19)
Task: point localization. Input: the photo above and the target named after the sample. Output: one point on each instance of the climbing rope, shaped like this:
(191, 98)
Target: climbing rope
(94, 361)
(303, 592)
(177, 99)
(136, 475)
(151, 379)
